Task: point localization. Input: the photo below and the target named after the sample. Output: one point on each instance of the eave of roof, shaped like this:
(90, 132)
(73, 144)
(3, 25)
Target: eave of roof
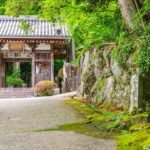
(10, 28)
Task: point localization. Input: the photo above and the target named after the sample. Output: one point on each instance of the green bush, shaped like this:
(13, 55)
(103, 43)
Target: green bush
(14, 79)
(14, 82)
(45, 88)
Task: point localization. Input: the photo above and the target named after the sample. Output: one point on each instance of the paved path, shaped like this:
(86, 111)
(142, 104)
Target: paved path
(19, 117)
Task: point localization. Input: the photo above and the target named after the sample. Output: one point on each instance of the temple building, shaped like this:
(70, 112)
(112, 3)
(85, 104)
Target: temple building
(29, 39)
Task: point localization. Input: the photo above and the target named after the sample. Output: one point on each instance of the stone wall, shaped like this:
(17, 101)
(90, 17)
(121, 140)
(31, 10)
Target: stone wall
(71, 79)
(104, 80)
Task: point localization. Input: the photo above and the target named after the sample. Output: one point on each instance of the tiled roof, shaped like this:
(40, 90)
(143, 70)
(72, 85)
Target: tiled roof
(10, 27)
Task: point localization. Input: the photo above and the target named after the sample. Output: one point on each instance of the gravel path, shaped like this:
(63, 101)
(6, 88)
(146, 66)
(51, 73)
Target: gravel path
(17, 116)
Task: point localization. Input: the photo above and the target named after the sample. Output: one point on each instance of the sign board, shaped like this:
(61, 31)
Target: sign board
(20, 55)
(16, 46)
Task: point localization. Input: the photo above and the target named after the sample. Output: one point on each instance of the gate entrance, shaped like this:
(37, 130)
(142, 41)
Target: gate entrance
(34, 54)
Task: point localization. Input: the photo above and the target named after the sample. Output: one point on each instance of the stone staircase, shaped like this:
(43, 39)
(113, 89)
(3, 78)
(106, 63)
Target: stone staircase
(16, 92)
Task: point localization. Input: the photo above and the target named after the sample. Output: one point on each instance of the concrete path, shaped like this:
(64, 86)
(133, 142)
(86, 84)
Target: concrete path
(19, 117)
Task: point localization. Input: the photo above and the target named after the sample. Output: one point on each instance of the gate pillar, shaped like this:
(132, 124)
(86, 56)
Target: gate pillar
(2, 71)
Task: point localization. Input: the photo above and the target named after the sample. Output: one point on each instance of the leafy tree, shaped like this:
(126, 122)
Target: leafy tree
(22, 7)
(90, 22)
(2, 7)
(95, 22)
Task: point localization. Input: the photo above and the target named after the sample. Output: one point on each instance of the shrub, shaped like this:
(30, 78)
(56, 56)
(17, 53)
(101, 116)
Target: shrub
(45, 88)
(14, 82)
(14, 79)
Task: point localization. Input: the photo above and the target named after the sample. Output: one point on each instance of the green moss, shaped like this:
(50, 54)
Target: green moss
(100, 84)
(135, 141)
(131, 135)
(94, 124)
(98, 89)
(82, 108)
(98, 119)
(79, 127)
(135, 56)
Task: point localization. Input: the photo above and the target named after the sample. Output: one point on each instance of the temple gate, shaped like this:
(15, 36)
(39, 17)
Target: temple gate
(43, 43)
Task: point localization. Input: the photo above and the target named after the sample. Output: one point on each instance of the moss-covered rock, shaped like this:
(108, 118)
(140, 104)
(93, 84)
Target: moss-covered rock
(105, 80)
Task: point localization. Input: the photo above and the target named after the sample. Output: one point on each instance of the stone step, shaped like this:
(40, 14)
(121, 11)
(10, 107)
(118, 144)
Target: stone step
(16, 92)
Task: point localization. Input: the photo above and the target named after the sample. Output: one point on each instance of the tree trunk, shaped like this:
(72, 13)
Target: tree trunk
(128, 10)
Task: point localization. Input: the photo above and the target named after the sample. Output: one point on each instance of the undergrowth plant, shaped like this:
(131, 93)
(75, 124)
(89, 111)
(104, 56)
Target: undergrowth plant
(132, 130)
(14, 79)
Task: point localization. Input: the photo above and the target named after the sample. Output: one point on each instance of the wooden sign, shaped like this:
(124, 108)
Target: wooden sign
(16, 46)
(21, 55)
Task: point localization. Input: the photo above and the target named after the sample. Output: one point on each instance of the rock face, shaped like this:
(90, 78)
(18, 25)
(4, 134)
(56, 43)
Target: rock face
(146, 92)
(104, 80)
(136, 97)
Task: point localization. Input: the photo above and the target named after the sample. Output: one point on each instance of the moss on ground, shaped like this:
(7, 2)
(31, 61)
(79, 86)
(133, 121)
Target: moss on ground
(78, 127)
(94, 123)
(107, 121)
(130, 130)
(138, 138)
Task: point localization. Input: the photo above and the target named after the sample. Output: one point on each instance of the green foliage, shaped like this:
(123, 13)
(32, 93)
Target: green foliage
(124, 120)
(22, 7)
(146, 8)
(14, 79)
(90, 22)
(14, 82)
(93, 22)
(135, 130)
(58, 64)
(122, 49)
(25, 26)
(45, 88)
(2, 7)
(135, 44)
(139, 140)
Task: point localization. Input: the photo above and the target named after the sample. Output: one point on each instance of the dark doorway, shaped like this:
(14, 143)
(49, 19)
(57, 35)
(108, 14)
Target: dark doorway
(25, 72)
